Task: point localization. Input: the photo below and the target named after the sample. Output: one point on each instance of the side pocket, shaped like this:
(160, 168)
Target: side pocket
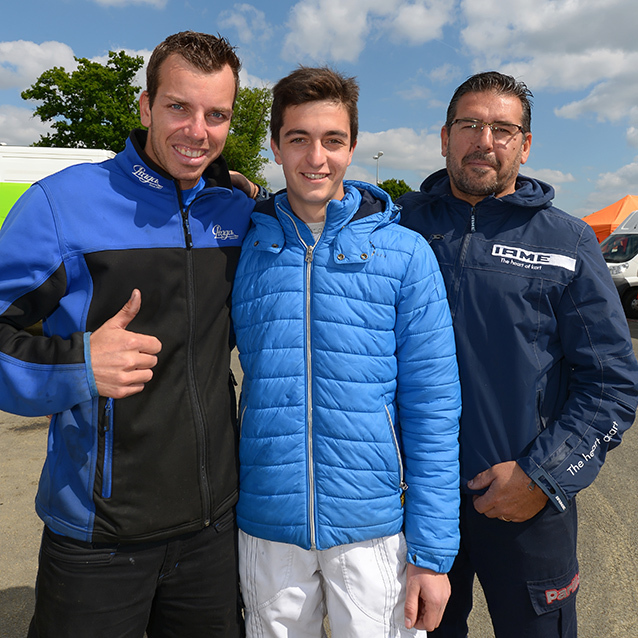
(554, 593)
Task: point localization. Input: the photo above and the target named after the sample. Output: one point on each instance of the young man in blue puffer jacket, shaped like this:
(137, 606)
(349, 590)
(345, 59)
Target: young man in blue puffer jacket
(350, 400)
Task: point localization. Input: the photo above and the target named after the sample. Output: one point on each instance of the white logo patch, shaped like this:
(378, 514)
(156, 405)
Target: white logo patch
(224, 235)
(145, 178)
(530, 259)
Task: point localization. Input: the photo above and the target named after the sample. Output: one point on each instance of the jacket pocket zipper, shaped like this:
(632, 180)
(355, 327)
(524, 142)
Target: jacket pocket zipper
(107, 466)
(402, 484)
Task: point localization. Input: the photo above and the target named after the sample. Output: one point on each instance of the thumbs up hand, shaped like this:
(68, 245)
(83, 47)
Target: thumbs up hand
(122, 361)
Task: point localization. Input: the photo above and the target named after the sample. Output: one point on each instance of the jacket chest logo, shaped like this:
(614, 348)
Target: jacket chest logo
(531, 260)
(222, 235)
(145, 178)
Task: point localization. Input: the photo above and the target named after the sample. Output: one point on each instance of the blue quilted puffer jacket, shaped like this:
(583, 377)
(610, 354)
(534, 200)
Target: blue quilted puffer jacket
(350, 399)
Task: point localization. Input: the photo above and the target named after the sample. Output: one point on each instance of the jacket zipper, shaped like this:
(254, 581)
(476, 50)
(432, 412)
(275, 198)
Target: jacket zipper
(107, 465)
(402, 484)
(308, 345)
(463, 252)
(199, 418)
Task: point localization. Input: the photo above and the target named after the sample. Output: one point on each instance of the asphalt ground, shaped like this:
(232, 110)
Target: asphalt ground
(608, 549)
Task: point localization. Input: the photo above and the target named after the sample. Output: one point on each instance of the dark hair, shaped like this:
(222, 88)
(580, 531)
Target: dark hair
(309, 84)
(495, 82)
(206, 52)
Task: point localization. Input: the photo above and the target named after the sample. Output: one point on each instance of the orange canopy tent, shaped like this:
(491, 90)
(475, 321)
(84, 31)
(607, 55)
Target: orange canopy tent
(606, 220)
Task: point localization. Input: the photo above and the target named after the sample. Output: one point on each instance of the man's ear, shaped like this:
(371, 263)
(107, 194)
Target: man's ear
(275, 150)
(444, 140)
(145, 109)
(354, 145)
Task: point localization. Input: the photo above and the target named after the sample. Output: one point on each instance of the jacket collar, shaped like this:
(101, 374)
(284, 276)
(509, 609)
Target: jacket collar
(350, 222)
(154, 176)
(529, 193)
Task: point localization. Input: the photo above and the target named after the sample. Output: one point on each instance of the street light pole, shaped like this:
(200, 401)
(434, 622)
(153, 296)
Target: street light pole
(376, 157)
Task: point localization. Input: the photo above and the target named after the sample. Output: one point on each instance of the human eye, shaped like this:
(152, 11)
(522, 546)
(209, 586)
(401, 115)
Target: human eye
(504, 130)
(219, 116)
(469, 125)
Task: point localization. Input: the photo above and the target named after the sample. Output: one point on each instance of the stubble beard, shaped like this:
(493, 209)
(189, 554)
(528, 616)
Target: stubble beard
(481, 182)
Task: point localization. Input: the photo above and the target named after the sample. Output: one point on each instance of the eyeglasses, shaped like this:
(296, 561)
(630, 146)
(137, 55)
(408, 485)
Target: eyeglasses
(501, 131)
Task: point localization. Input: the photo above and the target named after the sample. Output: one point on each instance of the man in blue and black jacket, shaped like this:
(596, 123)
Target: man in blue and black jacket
(140, 478)
(548, 374)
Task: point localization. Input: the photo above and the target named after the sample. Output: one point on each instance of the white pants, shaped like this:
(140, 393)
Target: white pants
(287, 590)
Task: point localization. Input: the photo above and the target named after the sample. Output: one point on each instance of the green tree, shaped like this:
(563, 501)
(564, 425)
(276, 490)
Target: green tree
(93, 107)
(247, 137)
(395, 188)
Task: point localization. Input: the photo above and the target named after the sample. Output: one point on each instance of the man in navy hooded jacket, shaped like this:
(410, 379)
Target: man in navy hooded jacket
(548, 375)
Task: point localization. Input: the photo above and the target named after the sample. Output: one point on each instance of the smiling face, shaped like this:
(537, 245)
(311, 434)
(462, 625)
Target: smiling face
(477, 165)
(315, 149)
(189, 120)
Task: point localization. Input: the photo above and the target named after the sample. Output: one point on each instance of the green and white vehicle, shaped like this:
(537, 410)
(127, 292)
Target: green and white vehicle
(20, 166)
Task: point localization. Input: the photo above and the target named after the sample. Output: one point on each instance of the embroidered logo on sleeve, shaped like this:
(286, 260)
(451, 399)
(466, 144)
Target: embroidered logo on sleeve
(224, 235)
(530, 259)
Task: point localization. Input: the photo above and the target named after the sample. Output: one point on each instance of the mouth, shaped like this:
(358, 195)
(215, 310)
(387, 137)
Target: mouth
(191, 153)
(315, 176)
(481, 160)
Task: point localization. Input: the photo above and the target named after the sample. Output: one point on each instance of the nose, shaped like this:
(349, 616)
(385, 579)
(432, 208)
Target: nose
(316, 154)
(485, 139)
(196, 128)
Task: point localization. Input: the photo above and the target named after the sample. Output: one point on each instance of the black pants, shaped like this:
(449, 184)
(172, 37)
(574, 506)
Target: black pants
(186, 587)
(528, 571)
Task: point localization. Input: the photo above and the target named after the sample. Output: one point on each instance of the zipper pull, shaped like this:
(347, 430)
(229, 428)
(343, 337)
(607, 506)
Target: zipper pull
(309, 250)
(108, 410)
(187, 230)
(473, 221)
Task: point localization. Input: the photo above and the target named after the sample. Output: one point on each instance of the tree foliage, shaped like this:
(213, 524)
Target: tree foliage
(248, 131)
(395, 188)
(95, 106)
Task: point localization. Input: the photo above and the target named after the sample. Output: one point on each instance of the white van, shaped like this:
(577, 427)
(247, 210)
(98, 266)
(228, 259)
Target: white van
(620, 251)
(20, 166)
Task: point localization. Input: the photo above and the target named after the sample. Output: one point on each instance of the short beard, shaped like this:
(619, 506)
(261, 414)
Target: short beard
(468, 183)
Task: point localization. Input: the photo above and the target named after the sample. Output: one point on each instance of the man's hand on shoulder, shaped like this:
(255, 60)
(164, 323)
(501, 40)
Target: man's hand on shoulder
(510, 496)
(427, 593)
(122, 361)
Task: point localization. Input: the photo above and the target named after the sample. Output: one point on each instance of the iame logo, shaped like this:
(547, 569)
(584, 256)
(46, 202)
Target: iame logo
(531, 260)
(223, 235)
(145, 178)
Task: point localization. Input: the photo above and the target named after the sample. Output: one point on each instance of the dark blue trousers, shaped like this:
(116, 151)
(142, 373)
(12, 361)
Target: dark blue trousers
(186, 587)
(528, 571)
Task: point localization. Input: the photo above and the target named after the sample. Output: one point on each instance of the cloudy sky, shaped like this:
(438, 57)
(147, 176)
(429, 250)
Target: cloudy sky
(579, 58)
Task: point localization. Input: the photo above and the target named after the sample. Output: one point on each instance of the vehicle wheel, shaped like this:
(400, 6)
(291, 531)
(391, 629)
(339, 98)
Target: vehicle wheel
(630, 303)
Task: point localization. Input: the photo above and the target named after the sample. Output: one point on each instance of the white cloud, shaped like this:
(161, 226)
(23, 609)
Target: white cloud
(632, 136)
(340, 29)
(403, 149)
(19, 127)
(22, 62)
(570, 45)
(550, 176)
(421, 21)
(610, 187)
(249, 22)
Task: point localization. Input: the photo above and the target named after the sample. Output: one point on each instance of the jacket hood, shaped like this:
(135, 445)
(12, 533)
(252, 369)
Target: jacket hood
(529, 193)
